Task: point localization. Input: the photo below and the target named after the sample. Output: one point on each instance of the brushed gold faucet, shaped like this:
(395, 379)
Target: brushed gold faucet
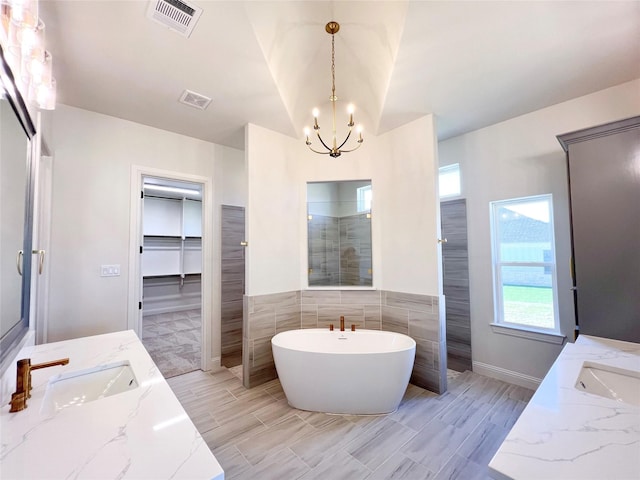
(342, 324)
(23, 381)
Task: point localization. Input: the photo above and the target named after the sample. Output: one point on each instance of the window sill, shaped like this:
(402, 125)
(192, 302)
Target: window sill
(530, 333)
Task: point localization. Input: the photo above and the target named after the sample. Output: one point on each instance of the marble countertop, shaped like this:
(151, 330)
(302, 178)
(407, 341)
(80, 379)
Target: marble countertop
(141, 433)
(566, 434)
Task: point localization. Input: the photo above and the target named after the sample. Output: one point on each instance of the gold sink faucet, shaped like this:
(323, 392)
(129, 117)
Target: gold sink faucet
(23, 381)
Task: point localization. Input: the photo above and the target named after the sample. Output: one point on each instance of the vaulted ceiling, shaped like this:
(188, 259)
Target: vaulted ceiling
(472, 64)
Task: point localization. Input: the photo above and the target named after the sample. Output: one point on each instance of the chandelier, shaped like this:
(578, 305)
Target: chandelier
(335, 148)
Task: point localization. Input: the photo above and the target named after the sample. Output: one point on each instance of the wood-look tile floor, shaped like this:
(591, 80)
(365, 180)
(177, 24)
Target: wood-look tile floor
(255, 434)
(173, 340)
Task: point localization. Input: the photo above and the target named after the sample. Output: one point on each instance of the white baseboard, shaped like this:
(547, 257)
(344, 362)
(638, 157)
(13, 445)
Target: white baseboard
(505, 375)
(213, 364)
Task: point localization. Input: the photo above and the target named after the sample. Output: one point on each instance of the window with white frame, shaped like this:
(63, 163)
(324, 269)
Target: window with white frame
(449, 181)
(524, 263)
(364, 198)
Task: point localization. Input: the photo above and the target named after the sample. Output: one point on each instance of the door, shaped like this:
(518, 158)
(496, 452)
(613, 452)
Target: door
(455, 266)
(40, 251)
(232, 285)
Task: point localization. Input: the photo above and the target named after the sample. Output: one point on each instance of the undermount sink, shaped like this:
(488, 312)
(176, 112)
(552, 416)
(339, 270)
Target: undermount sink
(610, 382)
(84, 386)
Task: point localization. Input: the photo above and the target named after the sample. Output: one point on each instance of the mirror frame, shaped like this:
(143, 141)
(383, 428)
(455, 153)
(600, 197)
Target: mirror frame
(13, 336)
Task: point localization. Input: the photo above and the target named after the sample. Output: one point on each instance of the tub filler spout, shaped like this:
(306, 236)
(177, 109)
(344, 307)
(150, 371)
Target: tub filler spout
(342, 324)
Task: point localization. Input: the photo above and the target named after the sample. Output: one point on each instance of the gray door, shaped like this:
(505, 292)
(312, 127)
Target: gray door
(232, 281)
(604, 177)
(455, 265)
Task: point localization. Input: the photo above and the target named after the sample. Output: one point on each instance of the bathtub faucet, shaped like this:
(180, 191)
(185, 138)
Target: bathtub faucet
(342, 324)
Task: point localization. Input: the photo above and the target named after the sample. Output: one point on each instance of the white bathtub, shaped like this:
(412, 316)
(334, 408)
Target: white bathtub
(361, 372)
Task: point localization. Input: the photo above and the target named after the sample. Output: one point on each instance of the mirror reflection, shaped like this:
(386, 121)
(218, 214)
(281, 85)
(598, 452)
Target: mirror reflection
(13, 157)
(339, 233)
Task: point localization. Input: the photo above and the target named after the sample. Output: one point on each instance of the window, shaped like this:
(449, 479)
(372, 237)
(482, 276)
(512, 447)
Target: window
(449, 181)
(524, 265)
(364, 198)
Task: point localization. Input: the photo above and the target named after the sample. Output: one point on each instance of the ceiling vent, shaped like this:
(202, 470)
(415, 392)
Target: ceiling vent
(177, 15)
(194, 99)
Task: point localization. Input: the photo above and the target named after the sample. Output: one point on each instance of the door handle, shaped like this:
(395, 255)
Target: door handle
(19, 262)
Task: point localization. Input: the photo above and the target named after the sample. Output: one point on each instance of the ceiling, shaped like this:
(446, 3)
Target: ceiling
(472, 64)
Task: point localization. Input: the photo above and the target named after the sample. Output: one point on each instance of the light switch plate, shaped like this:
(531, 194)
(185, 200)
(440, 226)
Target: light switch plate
(110, 271)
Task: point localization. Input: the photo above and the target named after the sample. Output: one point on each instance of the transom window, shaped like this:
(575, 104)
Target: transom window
(364, 195)
(524, 263)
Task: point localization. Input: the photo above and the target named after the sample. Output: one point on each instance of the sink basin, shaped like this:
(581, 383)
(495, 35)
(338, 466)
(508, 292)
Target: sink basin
(77, 388)
(610, 382)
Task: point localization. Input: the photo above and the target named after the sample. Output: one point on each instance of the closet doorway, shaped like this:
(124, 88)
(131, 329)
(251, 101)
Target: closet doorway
(171, 273)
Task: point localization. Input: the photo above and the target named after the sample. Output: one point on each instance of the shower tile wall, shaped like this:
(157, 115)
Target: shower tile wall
(340, 250)
(355, 250)
(419, 316)
(324, 250)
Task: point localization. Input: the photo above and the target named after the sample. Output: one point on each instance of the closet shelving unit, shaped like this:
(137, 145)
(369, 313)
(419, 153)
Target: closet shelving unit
(172, 248)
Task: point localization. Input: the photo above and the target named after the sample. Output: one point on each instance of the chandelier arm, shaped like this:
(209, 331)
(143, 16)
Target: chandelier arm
(316, 151)
(345, 141)
(322, 141)
(353, 149)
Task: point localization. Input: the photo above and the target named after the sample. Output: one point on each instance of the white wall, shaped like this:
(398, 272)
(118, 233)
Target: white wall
(517, 158)
(93, 158)
(273, 212)
(231, 178)
(410, 209)
(402, 166)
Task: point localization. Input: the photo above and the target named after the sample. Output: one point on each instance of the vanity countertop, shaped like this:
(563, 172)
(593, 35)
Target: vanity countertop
(141, 433)
(564, 433)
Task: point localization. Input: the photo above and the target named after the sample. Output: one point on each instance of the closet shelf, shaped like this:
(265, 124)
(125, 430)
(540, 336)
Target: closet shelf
(167, 275)
(178, 237)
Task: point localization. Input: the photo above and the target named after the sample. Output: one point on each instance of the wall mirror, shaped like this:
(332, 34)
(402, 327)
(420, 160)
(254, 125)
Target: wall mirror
(16, 131)
(339, 234)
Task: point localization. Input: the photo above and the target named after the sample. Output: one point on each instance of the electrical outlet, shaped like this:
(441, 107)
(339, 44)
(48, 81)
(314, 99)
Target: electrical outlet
(110, 271)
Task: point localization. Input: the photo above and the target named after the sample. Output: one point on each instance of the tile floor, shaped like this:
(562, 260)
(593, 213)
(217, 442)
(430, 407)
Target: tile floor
(174, 341)
(255, 434)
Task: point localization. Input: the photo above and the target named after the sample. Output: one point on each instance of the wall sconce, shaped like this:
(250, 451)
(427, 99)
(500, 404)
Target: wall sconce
(22, 35)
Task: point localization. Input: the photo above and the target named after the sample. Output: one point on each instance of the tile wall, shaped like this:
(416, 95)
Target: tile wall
(340, 250)
(419, 316)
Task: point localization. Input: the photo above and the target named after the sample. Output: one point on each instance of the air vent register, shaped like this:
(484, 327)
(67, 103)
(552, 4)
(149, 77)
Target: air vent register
(176, 15)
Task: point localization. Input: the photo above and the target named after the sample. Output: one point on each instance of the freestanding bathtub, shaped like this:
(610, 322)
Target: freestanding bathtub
(361, 372)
